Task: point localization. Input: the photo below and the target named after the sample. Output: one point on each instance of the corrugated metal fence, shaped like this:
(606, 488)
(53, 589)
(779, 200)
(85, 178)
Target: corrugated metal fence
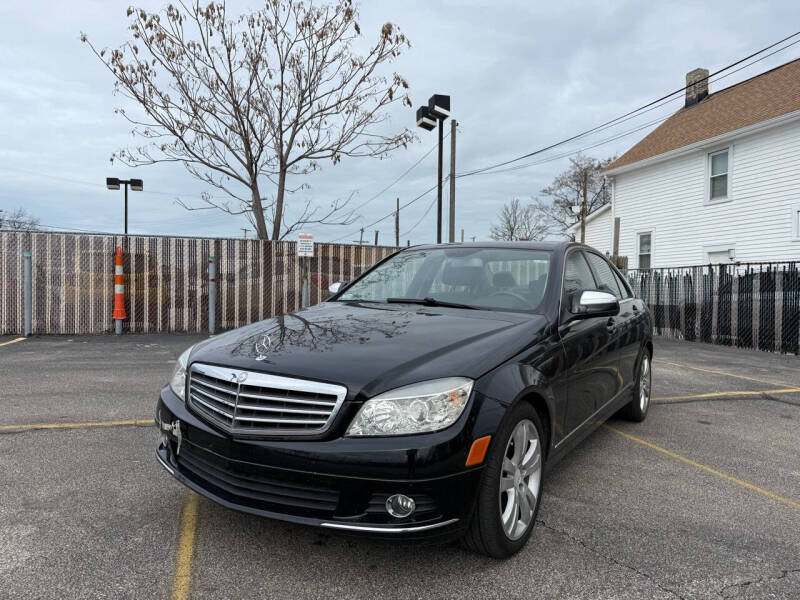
(743, 305)
(166, 280)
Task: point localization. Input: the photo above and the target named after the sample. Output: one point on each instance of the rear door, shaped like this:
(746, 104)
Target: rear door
(590, 346)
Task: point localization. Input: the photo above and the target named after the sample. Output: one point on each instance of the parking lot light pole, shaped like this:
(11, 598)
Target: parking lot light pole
(113, 183)
(27, 292)
(438, 109)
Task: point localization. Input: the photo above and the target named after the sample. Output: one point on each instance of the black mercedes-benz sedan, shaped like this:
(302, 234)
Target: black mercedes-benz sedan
(424, 400)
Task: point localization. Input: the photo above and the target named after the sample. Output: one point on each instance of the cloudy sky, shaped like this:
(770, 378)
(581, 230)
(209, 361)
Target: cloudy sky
(521, 76)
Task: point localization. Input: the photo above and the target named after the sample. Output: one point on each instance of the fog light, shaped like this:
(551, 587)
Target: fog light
(400, 506)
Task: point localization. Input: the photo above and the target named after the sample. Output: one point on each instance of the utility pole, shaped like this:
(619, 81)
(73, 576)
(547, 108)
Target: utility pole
(453, 124)
(376, 237)
(244, 229)
(583, 205)
(397, 225)
(462, 236)
(361, 238)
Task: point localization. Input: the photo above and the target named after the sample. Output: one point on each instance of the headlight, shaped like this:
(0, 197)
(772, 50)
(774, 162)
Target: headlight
(416, 408)
(178, 382)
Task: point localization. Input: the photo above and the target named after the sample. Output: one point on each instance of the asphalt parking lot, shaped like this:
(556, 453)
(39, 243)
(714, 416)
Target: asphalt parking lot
(702, 500)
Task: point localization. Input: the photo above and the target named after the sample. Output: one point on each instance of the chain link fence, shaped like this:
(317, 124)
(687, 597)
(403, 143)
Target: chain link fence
(753, 305)
(166, 280)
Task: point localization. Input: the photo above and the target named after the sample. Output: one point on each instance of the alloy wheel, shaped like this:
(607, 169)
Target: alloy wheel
(644, 384)
(520, 479)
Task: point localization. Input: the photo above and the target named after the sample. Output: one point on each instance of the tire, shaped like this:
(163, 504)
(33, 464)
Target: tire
(486, 533)
(636, 409)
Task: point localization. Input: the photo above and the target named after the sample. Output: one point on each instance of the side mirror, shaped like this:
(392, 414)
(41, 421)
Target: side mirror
(585, 304)
(335, 288)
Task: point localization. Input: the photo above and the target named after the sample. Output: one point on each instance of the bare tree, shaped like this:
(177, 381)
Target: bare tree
(518, 223)
(566, 191)
(263, 97)
(18, 220)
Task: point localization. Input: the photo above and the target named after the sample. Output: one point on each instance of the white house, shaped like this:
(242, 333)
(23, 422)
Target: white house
(598, 224)
(718, 181)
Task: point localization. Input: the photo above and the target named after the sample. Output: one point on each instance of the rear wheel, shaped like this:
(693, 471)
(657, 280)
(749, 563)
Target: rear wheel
(511, 486)
(636, 410)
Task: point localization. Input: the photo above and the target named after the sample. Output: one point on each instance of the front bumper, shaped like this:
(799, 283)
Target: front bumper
(340, 485)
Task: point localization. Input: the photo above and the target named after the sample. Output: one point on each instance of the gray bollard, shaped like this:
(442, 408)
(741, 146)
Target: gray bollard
(304, 287)
(27, 291)
(212, 294)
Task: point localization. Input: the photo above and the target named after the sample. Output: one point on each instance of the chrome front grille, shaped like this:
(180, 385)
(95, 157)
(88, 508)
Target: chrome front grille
(252, 403)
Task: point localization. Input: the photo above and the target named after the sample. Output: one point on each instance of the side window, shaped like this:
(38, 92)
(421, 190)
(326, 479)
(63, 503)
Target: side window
(605, 276)
(577, 274)
(626, 293)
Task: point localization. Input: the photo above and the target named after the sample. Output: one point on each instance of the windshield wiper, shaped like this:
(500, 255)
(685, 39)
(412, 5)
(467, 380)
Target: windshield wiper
(429, 302)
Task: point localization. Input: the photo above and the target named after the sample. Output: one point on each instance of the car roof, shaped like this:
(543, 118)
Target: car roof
(547, 245)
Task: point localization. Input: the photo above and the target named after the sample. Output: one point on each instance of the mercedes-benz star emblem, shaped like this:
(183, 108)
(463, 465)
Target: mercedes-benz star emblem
(263, 347)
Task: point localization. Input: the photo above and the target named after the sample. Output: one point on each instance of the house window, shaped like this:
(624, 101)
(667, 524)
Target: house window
(645, 249)
(718, 185)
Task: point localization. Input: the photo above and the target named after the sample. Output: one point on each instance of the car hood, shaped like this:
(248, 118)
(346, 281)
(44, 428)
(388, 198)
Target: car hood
(372, 347)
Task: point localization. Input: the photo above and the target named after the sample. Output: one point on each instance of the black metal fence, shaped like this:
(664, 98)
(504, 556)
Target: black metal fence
(753, 305)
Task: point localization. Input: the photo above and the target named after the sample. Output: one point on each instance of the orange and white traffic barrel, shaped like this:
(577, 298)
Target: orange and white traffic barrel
(119, 294)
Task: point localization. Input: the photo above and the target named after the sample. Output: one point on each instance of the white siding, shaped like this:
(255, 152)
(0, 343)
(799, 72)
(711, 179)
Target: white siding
(598, 232)
(669, 199)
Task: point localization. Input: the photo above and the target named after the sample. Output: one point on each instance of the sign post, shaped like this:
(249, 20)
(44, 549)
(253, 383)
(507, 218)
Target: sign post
(305, 250)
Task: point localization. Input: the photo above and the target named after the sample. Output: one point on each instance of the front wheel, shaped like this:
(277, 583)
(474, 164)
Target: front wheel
(511, 486)
(636, 410)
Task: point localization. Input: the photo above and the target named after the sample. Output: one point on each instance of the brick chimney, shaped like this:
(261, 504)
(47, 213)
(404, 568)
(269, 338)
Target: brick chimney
(696, 86)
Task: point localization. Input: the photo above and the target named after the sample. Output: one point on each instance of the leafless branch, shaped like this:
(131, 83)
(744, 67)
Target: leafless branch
(257, 100)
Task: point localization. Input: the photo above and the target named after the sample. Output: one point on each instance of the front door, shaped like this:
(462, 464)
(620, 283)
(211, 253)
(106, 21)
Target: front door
(627, 322)
(590, 347)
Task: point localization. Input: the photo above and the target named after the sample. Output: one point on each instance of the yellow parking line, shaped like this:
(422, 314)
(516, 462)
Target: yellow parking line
(12, 341)
(728, 394)
(124, 423)
(181, 585)
(707, 469)
(747, 377)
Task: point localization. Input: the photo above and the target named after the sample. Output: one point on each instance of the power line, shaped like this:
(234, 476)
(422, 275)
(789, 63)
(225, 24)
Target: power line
(630, 131)
(571, 152)
(663, 100)
(422, 218)
(78, 181)
(406, 172)
(383, 218)
(627, 114)
(64, 228)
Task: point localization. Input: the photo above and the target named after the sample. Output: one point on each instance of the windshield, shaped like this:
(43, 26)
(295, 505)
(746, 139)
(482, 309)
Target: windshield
(491, 278)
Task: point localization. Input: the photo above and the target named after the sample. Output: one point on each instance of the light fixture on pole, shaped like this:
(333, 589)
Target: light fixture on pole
(438, 109)
(113, 183)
